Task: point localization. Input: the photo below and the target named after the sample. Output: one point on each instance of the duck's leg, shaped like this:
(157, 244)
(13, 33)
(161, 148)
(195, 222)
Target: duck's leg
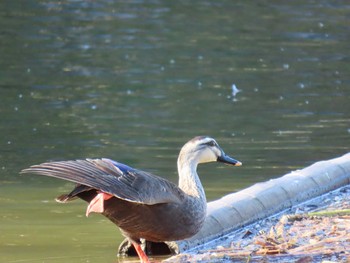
(142, 255)
(97, 204)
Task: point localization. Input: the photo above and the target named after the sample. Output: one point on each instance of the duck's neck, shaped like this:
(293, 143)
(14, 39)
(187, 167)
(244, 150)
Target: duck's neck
(188, 178)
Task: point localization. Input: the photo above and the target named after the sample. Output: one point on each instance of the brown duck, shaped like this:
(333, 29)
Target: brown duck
(141, 204)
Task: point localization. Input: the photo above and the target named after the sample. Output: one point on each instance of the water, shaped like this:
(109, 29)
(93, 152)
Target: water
(134, 80)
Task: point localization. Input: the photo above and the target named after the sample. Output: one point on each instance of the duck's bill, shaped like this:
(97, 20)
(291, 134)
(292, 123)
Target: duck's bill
(228, 160)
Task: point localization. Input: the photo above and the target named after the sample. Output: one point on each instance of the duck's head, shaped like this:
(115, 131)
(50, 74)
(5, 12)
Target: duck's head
(204, 149)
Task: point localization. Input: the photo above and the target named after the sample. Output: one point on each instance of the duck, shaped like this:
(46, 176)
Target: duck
(141, 204)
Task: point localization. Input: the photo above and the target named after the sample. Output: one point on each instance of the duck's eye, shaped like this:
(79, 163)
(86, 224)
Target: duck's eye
(211, 143)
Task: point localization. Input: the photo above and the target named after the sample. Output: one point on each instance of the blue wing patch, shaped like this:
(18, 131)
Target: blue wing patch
(122, 167)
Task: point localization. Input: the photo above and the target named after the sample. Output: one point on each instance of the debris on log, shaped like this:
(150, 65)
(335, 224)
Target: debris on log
(315, 231)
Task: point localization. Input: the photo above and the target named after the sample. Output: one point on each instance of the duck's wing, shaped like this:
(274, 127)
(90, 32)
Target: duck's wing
(113, 178)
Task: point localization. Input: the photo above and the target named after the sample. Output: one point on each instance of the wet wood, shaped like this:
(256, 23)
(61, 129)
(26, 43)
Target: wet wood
(290, 237)
(265, 199)
(260, 201)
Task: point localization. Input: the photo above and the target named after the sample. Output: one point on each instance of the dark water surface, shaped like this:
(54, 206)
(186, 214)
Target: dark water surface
(134, 80)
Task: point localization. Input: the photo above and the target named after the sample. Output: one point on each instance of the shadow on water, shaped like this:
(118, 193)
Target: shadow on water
(134, 80)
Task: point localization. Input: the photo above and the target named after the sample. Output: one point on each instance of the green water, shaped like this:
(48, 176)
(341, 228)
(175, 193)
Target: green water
(134, 80)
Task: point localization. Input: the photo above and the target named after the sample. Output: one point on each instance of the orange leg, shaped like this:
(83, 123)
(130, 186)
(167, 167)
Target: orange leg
(97, 204)
(142, 255)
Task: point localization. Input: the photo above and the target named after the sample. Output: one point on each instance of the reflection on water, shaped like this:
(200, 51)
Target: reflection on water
(134, 80)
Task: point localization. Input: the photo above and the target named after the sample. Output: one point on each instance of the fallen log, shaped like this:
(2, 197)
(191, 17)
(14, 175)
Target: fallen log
(259, 201)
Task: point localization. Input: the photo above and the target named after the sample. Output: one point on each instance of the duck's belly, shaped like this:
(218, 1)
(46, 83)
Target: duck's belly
(161, 222)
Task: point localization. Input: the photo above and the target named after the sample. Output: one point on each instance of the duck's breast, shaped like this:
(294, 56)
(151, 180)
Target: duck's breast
(159, 222)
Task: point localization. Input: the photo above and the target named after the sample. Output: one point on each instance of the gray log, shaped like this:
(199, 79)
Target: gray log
(265, 199)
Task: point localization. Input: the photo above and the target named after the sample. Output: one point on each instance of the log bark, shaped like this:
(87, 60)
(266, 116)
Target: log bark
(265, 199)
